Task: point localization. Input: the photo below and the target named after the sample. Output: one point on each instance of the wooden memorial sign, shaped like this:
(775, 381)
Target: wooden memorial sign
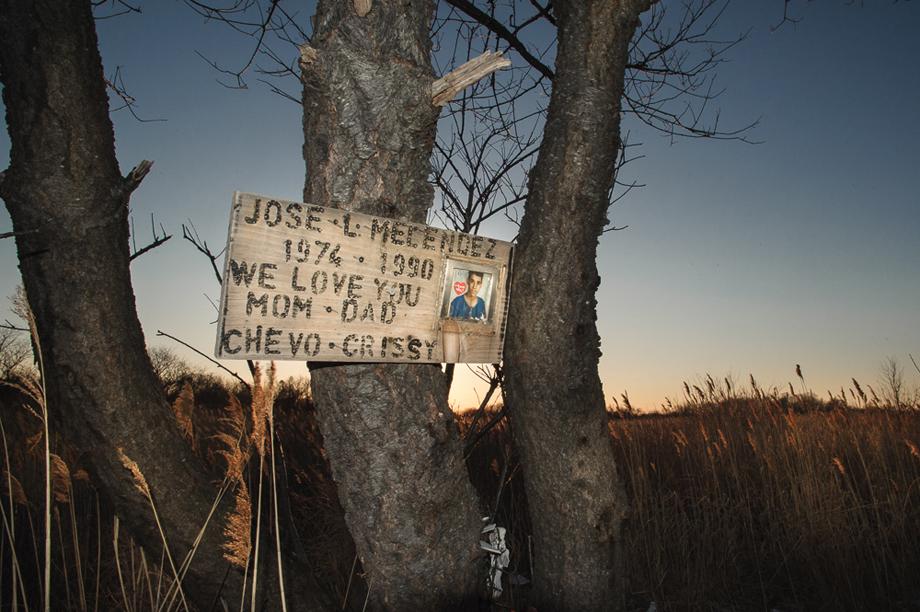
(311, 283)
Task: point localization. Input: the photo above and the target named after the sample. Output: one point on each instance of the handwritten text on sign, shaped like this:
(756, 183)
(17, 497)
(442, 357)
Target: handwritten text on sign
(311, 283)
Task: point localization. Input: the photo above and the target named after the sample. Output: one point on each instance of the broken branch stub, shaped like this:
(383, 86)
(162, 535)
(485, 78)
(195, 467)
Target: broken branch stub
(444, 89)
(308, 55)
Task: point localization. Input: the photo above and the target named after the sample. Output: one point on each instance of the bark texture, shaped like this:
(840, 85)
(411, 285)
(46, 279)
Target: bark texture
(393, 444)
(68, 200)
(576, 500)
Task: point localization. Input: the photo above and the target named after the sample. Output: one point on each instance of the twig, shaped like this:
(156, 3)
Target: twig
(502, 32)
(543, 11)
(495, 420)
(494, 381)
(214, 361)
(156, 242)
(351, 575)
(501, 484)
(202, 245)
(7, 325)
(127, 8)
(11, 234)
(786, 18)
(159, 237)
(117, 85)
(259, 34)
(481, 434)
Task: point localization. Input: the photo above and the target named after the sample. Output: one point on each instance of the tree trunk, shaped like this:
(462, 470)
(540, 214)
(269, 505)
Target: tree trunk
(576, 500)
(392, 441)
(68, 203)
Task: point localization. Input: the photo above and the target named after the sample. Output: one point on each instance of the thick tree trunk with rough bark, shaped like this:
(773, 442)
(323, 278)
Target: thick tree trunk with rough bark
(393, 444)
(576, 500)
(68, 203)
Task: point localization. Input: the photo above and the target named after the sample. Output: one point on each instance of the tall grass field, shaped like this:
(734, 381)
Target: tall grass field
(741, 499)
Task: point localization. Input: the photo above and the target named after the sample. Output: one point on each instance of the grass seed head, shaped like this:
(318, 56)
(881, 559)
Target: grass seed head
(14, 489)
(60, 479)
(182, 409)
(139, 481)
(233, 438)
(238, 529)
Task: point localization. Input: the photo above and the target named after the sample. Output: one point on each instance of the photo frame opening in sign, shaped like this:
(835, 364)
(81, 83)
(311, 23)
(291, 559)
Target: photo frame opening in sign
(469, 291)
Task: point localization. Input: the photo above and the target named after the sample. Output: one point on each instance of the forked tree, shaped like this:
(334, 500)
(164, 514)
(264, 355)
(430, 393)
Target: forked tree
(369, 129)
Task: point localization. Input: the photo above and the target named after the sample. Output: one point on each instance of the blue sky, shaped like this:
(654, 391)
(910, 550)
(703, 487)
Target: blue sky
(738, 258)
(749, 259)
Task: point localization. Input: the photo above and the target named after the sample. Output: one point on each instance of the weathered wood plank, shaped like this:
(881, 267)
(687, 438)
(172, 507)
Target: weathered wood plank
(309, 283)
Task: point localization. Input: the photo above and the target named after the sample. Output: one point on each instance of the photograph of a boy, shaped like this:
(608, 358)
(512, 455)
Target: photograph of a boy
(469, 305)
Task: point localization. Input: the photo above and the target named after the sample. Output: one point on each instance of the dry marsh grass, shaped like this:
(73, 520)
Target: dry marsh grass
(753, 506)
(95, 565)
(741, 500)
(754, 500)
(762, 499)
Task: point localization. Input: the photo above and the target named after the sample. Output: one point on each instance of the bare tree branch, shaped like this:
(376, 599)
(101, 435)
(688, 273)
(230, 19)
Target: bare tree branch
(787, 18)
(116, 84)
(670, 78)
(495, 420)
(267, 26)
(159, 237)
(499, 29)
(214, 361)
(190, 233)
(12, 234)
(149, 247)
(7, 325)
(118, 7)
(474, 435)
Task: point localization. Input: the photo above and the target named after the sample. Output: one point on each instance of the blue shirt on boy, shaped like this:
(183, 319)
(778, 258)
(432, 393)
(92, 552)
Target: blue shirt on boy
(459, 309)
